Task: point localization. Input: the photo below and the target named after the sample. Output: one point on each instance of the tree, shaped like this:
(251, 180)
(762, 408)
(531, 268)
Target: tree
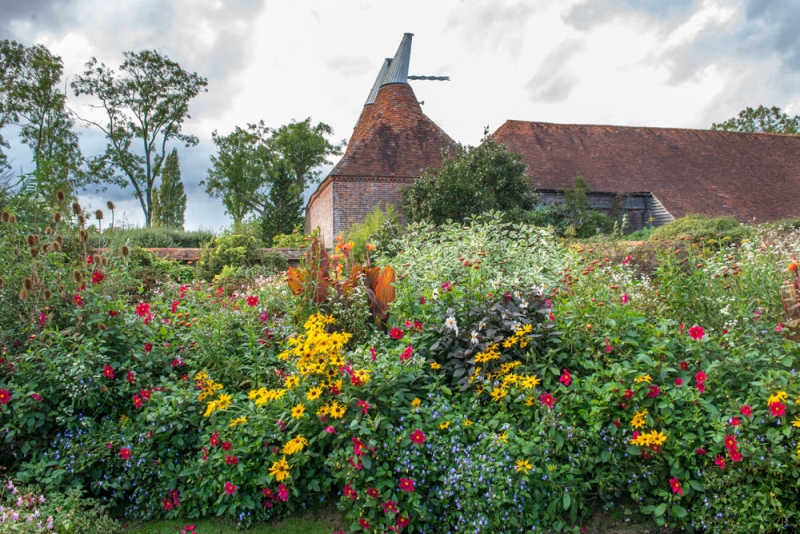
(169, 201)
(33, 100)
(239, 172)
(761, 120)
(473, 181)
(305, 148)
(145, 106)
(250, 160)
(283, 208)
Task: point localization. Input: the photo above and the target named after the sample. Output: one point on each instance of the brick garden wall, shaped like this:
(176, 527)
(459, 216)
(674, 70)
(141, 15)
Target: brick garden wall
(355, 198)
(320, 212)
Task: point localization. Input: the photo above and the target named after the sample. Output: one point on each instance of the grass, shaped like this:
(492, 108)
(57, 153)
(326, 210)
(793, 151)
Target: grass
(323, 521)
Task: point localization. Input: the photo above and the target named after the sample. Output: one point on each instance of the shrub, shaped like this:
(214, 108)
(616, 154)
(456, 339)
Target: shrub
(702, 229)
(154, 237)
(362, 233)
(295, 240)
(232, 250)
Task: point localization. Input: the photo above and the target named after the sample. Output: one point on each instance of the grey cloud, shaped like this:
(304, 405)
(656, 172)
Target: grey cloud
(551, 83)
(350, 65)
(492, 24)
(590, 13)
(51, 14)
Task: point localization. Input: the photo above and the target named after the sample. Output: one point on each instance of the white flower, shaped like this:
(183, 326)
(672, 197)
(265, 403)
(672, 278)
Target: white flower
(515, 325)
(474, 337)
(435, 295)
(524, 304)
(451, 323)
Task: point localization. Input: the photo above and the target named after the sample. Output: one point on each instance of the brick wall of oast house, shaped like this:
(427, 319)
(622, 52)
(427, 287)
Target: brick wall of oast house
(320, 212)
(355, 198)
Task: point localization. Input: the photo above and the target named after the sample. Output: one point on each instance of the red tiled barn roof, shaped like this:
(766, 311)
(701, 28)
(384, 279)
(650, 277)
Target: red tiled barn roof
(750, 176)
(393, 138)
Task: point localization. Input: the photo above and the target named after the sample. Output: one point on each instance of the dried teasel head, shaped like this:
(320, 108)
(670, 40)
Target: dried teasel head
(30, 240)
(56, 217)
(81, 220)
(84, 236)
(1, 282)
(48, 231)
(16, 251)
(34, 253)
(46, 248)
(104, 261)
(56, 246)
(98, 215)
(5, 216)
(76, 208)
(60, 195)
(34, 278)
(36, 239)
(12, 218)
(23, 294)
(102, 327)
(59, 239)
(27, 283)
(125, 250)
(77, 276)
(47, 294)
(110, 205)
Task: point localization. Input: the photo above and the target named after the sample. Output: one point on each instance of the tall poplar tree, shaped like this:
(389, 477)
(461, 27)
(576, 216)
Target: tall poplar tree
(169, 201)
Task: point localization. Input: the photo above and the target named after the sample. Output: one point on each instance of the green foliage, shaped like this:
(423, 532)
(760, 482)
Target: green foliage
(153, 237)
(146, 105)
(719, 230)
(283, 207)
(53, 511)
(472, 181)
(295, 239)
(228, 250)
(761, 120)
(250, 161)
(169, 201)
(574, 217)
(376, 225)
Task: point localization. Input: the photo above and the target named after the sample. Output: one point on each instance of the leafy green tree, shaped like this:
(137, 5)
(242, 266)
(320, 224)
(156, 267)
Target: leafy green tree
(31, 98)
(239, 172)
(169, 201)
(305, 148)
(145, 106)
(472, 181)
(761, 120)
(249, 161)
(283, 208)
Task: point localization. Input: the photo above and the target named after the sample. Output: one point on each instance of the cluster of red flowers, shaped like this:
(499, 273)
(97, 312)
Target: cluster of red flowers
(733, 448)
(97, 277)
(143, 395)
(700, 379)
(407, 353)
(173, 501)
(272, 497)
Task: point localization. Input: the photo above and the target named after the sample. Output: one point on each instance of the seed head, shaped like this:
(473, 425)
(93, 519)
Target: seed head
(5, 216)
(81, 220)
(23, 294)
(84, 236)
(27, 283)
(60, 195)
(56, 246)
(56, 217)
(98, 215)
(30, 240)
(77, 276)
(102, 327)
(110, 205)
(34, 253)
(48, 294)
(125, 250)
(12, 218)
(48, 231)
(76, 208)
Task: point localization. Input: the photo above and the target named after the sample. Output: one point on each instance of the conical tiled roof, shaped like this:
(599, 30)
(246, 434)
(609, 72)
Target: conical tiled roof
(393, 138)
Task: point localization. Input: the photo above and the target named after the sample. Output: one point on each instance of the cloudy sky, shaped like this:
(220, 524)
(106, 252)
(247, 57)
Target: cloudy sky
(670, 63)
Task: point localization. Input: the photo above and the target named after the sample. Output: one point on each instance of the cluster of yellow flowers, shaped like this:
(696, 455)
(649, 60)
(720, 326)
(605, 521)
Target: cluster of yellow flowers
(238, 421)
(208, 387)
(520, 337)
(492, 352)
(262, 396)
(334, 410)
(294, 445)
(646, 439)
(639, 419)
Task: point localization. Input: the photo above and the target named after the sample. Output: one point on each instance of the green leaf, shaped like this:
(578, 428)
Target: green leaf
(696, 485)
(679, 511)
(660, 509)
(566, 501)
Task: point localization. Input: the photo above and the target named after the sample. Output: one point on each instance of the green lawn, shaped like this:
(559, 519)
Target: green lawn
(320, 522)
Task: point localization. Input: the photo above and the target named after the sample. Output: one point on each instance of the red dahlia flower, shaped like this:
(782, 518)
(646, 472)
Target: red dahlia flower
(675, 484)
(418, 437)
(730, 443)
(396, 333)
(252, 301)
(125, 453)
(142, 309)
(389, 507)
(108, 372)
(697, 332)
(777, 409)
(720, 461)
(547, 399)
(566, 378)
(230, 489)
(406, 484)
(746, 410)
